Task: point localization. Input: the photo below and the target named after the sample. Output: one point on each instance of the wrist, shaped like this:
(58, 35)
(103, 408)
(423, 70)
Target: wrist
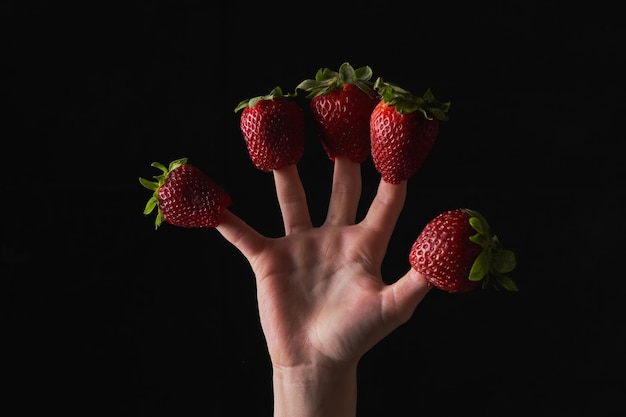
(315, 390)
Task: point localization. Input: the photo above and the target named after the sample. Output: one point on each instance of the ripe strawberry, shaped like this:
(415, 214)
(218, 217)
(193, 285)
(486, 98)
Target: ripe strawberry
(341, 104)
(273, 128)
(456, 251)
(185, 196)
(403, 129)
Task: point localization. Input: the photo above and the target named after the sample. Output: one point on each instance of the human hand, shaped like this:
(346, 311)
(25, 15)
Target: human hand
(321, 297)
(320, 291)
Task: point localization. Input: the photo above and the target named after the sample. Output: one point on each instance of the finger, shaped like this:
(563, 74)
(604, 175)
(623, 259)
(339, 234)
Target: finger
(346, 192)
(402, 297)
(385, 209)
(292, 199)
(241, 235)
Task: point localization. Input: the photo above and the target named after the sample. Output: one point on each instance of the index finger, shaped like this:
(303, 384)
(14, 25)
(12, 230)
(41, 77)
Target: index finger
(385, 209)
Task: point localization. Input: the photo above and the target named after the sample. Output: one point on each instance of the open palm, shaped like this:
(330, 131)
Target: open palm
(320, 292)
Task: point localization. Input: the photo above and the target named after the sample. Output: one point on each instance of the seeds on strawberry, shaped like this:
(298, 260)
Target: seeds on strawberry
(184, 196)
(341, 105)
(273, 129)
(403, 129)
(456, 251)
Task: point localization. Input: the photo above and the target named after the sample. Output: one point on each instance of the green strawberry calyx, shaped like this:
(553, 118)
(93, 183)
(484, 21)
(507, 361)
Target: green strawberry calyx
(405, 102)
(493, 262)
(155, 185)
(327, 80)
(276, 92)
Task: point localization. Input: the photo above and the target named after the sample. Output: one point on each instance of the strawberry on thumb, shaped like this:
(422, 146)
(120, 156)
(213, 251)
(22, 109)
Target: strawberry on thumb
(457, 251)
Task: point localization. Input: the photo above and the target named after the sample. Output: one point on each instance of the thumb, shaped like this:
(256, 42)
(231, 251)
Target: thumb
(403, 296)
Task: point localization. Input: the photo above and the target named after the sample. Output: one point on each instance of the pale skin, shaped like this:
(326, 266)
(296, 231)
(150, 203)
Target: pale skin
(321, 297)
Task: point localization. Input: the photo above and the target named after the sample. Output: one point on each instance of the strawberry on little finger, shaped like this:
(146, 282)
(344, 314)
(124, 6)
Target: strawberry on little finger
(184, 196)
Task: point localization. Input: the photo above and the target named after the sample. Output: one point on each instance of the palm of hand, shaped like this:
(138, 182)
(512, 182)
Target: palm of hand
(319, 295)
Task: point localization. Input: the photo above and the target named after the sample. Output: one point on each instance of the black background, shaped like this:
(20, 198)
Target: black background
(103, 315)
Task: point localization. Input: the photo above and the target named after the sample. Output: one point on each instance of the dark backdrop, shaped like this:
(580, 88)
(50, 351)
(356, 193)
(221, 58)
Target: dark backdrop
(103, 315)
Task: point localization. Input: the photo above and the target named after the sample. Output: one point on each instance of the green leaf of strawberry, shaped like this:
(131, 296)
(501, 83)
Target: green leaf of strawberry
(273, 128)
(184, 196)
(403, 129)
(503, 261)
(480, 267)
(326, 80)
(457, 251)
(341, 104)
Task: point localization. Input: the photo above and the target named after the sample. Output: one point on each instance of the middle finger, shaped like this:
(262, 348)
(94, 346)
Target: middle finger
(346, 192)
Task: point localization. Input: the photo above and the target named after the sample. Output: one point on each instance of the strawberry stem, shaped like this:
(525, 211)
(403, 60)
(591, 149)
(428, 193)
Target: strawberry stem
(155, 185)
(405, 102)
(494, 261)
(327, 80)
(276, 92)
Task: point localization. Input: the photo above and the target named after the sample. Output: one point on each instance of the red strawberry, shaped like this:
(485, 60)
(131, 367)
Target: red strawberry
(185, 196)
(403, 129)
(456, 251)
(341, 104)
(273, 128)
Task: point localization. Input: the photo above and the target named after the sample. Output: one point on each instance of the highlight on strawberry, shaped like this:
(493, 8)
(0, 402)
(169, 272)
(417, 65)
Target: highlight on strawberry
(273, 129)
(185, 196)
(457, 251)
(341, 104)
(403, 129)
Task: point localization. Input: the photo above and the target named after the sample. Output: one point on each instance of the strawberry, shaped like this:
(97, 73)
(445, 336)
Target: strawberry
(403, 129)
(456, 251)
(341, 104)
(185, 196)
(273, 128)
